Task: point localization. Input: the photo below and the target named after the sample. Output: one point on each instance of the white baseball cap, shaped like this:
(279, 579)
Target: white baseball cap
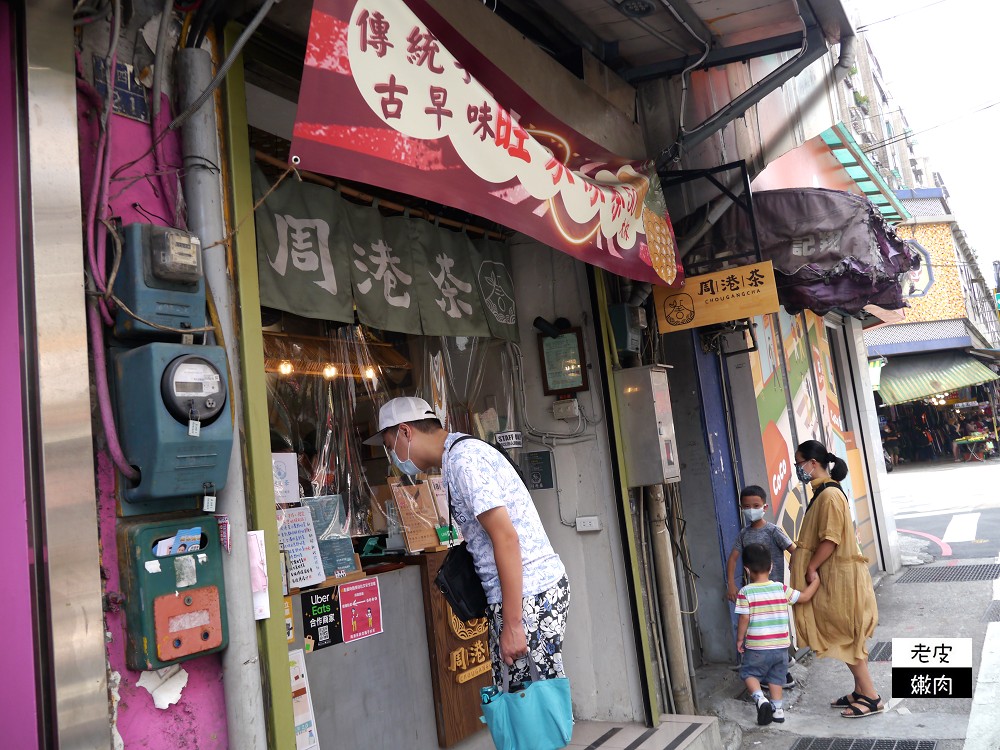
(399, 410)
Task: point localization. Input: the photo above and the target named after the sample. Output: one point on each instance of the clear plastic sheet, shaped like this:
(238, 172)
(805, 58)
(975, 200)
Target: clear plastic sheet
(324, 393)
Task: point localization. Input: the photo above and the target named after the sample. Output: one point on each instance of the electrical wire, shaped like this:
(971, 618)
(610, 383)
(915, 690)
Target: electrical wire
(555, 481)
(110, 296)
(866, 26)
(907, 135)
(517, 362)
(220, 75)
(707, 44)
(159, 58)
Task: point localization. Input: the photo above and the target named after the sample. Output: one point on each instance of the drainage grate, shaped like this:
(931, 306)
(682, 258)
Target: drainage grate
(851, 743)
(950, 573)
(992, 613)
(881, 651)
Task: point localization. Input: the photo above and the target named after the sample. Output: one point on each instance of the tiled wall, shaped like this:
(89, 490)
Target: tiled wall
(944, 300)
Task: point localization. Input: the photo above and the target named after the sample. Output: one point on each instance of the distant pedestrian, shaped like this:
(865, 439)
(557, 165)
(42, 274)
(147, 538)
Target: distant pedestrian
(843, 614)
(890, 441)
(762, 635)
(756, 530)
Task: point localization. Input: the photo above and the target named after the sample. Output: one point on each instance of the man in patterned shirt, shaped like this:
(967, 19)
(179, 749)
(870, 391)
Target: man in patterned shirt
(762, 633)
(527, 591)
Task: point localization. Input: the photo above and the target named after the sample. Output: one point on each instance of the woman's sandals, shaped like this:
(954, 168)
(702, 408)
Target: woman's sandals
(846, 701)
(863, 706)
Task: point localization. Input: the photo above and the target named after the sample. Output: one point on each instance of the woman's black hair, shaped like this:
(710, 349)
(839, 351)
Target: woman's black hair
(813, 450)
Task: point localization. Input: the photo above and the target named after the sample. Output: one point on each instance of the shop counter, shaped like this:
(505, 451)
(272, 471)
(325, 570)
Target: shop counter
(414, 685)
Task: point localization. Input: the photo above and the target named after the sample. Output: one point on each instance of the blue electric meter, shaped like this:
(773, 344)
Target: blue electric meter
(175, 425)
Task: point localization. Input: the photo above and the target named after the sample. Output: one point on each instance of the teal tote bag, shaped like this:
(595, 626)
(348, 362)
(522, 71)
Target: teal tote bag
(539, 716)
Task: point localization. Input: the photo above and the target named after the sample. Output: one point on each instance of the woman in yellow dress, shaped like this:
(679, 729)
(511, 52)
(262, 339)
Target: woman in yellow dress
(843, 614)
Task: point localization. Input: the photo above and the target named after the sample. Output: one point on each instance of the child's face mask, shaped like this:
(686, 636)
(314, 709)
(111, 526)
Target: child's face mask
(752, 515)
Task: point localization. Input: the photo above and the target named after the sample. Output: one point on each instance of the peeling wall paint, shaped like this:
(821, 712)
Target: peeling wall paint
(198, 720)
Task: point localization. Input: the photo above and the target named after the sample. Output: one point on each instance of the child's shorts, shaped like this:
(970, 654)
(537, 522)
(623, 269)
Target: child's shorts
(768, 665)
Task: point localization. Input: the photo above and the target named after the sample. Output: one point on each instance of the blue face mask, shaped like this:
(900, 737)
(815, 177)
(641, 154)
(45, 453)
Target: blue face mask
(804, 476)
(407, 467)
(752, 515)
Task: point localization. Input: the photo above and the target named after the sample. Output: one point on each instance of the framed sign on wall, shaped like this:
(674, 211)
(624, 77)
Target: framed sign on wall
(564, 363)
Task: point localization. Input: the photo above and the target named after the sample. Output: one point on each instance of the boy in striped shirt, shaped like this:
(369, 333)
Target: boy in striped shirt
(762, 634)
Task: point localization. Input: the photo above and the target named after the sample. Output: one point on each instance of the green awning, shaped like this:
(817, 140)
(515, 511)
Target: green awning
(923, 375)
(875, 372)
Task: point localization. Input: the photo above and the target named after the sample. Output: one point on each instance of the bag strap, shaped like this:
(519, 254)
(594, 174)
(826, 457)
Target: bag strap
(533, 671)
(447, 487)
(818, 491)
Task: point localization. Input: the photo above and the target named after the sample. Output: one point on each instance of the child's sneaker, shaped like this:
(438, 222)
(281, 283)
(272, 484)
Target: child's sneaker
(789, 681)
(778, 716)
(765, 711)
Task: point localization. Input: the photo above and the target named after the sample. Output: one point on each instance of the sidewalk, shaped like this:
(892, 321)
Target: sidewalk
(939, 609)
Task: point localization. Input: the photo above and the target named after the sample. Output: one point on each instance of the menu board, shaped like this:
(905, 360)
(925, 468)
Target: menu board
(417, 514)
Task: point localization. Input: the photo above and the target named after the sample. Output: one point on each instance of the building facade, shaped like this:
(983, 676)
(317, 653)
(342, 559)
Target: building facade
(142, 149)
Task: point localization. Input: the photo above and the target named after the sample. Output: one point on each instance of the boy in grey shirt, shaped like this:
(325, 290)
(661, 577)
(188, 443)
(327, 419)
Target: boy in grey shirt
(753, 501)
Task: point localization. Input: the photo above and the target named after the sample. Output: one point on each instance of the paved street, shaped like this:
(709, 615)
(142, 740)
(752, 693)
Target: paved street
(946, 514)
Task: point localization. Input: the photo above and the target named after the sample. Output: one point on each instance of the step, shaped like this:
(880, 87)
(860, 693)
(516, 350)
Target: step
(674, 732)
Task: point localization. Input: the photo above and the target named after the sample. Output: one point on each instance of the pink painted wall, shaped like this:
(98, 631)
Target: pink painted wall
(198, 720)
(18, 709)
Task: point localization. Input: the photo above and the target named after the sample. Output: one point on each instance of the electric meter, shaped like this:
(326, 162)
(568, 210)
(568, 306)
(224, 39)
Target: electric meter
(174, 424)
(160, 279)
(192, 390)
(175, 256)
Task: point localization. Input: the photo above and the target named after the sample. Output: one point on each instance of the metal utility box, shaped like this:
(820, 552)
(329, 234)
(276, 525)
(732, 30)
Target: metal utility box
(627, 322)
(160, 279)
(647, 421)
(160, 390)
(172, 583)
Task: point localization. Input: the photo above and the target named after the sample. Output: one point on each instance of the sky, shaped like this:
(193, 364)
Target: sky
(939, 62)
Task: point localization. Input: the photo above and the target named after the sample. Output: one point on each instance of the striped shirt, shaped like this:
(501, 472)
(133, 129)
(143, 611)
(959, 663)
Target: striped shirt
(767, 604)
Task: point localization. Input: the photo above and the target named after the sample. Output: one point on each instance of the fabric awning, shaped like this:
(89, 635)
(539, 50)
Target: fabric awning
(875, 372)
(831, 250)
(913, 378)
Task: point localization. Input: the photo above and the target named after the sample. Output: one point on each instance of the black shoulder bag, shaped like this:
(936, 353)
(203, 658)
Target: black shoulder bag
(457, 577)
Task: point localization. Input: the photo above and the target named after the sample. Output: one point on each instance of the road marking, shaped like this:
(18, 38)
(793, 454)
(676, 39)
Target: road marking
(939, 512)
(945, 547)
(962, 528)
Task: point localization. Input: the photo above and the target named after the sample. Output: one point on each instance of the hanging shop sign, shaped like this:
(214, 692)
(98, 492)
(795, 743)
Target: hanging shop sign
(320, 256)
(384, 101)
(733, 294)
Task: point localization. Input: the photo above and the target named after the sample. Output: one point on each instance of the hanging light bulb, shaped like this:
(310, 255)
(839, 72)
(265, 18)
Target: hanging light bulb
(370, 373)
(285, 367)
(329, 372)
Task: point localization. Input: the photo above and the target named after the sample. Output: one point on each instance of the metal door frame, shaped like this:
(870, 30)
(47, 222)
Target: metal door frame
(62, 445)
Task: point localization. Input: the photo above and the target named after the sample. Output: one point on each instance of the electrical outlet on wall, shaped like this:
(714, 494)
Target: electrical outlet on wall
(588, 523)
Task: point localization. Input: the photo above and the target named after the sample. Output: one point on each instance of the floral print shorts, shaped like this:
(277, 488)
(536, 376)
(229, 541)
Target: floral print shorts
(545, 623)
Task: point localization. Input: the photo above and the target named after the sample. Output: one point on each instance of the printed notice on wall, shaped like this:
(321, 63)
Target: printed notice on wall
(321, 618)
(298, 540)
(360, 609)
(302, 707)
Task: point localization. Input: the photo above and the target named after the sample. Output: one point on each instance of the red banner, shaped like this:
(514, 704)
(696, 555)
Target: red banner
(385, 103)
